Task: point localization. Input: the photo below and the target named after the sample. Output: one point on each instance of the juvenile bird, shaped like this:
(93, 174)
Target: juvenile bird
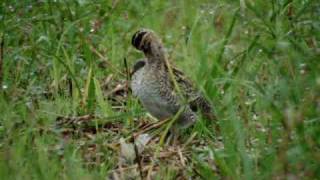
(164, 94)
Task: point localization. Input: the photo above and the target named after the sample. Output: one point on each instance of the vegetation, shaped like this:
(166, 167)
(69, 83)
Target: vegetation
(65, 104)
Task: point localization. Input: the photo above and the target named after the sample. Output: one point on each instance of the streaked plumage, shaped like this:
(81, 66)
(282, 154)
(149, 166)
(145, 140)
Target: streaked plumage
(153, 85)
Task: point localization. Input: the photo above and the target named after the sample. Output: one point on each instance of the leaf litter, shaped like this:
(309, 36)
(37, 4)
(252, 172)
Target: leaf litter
(135, 153)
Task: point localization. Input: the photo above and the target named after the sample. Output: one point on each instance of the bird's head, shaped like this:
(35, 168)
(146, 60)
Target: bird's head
(147, 41)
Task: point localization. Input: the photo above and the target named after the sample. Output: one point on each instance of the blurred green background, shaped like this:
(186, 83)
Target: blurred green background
(257, 61)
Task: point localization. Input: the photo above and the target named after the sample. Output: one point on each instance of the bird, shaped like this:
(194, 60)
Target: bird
(162, 89)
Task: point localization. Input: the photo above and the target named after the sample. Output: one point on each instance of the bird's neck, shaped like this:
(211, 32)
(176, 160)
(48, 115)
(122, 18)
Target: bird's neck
(156, 55)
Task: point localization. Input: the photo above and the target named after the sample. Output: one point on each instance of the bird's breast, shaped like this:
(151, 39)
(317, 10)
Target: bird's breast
(147, 88)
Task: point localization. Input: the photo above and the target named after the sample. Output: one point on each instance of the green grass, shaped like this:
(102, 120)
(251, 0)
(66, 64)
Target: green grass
(258, 62)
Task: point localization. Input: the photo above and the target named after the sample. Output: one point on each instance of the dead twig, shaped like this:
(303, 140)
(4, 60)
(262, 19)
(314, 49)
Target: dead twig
(119, 87)
(181, 157)
(75, 120)
(107, 81)
(150, 126)
(138, 159)
(96, 52)
(123, 169)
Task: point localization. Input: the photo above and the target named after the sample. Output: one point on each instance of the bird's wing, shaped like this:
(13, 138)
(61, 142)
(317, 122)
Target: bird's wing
(195, 98)
(138, 65)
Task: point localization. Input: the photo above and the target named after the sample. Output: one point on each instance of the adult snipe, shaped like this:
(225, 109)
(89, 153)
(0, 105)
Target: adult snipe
(163, 90)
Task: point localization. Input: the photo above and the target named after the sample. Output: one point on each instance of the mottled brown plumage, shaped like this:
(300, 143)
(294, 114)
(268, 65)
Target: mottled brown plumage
(153, 85)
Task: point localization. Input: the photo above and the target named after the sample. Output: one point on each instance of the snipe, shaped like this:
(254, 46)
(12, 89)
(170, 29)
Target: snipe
(162, 93)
